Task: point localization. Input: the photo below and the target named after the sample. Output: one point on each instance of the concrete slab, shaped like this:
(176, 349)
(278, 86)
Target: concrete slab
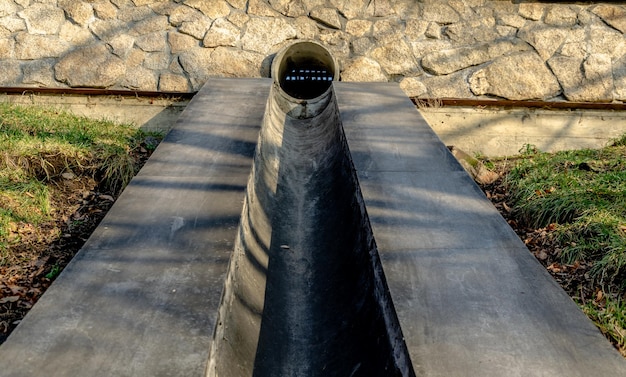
(470, 298)
(142, 296)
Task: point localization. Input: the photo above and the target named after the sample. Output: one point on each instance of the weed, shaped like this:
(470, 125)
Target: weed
(54, 272)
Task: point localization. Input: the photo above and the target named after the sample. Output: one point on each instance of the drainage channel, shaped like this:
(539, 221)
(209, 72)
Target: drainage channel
(305, 294)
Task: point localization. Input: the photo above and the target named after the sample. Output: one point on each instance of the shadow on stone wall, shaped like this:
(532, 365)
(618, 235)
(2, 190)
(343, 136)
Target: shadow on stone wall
(435, 49)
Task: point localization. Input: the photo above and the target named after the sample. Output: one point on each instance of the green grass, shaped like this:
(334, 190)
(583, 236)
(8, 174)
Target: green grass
(38, 145)
(582, 195)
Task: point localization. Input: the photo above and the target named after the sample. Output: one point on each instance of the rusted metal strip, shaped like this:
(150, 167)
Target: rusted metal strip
(95, 92)
(560, 105)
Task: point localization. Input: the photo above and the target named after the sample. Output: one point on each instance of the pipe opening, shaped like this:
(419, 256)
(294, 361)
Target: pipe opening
(305, 70)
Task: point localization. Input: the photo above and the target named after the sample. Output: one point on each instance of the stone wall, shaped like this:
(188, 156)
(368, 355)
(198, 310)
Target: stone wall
(434, 48)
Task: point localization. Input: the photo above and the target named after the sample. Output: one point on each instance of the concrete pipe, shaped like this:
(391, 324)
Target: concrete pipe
(305, 294)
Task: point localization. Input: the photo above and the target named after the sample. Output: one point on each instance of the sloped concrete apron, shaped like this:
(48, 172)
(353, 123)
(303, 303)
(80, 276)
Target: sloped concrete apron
(142, 297)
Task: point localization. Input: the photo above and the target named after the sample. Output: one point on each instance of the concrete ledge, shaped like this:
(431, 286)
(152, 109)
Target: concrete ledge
(148, 113)
(493, 131)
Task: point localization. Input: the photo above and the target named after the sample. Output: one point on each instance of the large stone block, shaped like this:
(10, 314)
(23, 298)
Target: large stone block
(146, 2)
(453, 85)
(12, 24)
(561, 15)
(150, 25)
(424, 47)
(222, 33)
(350, 8)
(202, 63)
(11, 72)
(79, 11)
(440, 12)
(157, 61)
(92, 66)
(604, 40)
(107, 29)
(238, 18)
(396, 58)
(326, 16)
(452, 60)
(520, 76)
(619, 78)
(197, 27)
(39, 73)
(180, 42)
(379, 8)
(104, 10)
(413, 87)
(230, 62)
(337, 42)
(197, 64)
(482, 30)
(43, 19)
(122, 45)
(532, 11)
(75, 35)
(546, 40)
(139, 78)
(7, 8)
(289, 8)
(210, 8)
(588, 80)
(613, 15)
(238, 4)
(183, 13)
(131, 14)
(36, 46)
(262, 34)
(153, 42)
(7, 48)
(169, 82)
(306, 28)
(261, 8)
(364, 70)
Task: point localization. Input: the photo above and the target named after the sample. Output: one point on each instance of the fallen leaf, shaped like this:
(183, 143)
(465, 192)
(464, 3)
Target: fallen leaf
(16, 289)
(506, 207)
(554, 267)
(4, 300)
(599, 295)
